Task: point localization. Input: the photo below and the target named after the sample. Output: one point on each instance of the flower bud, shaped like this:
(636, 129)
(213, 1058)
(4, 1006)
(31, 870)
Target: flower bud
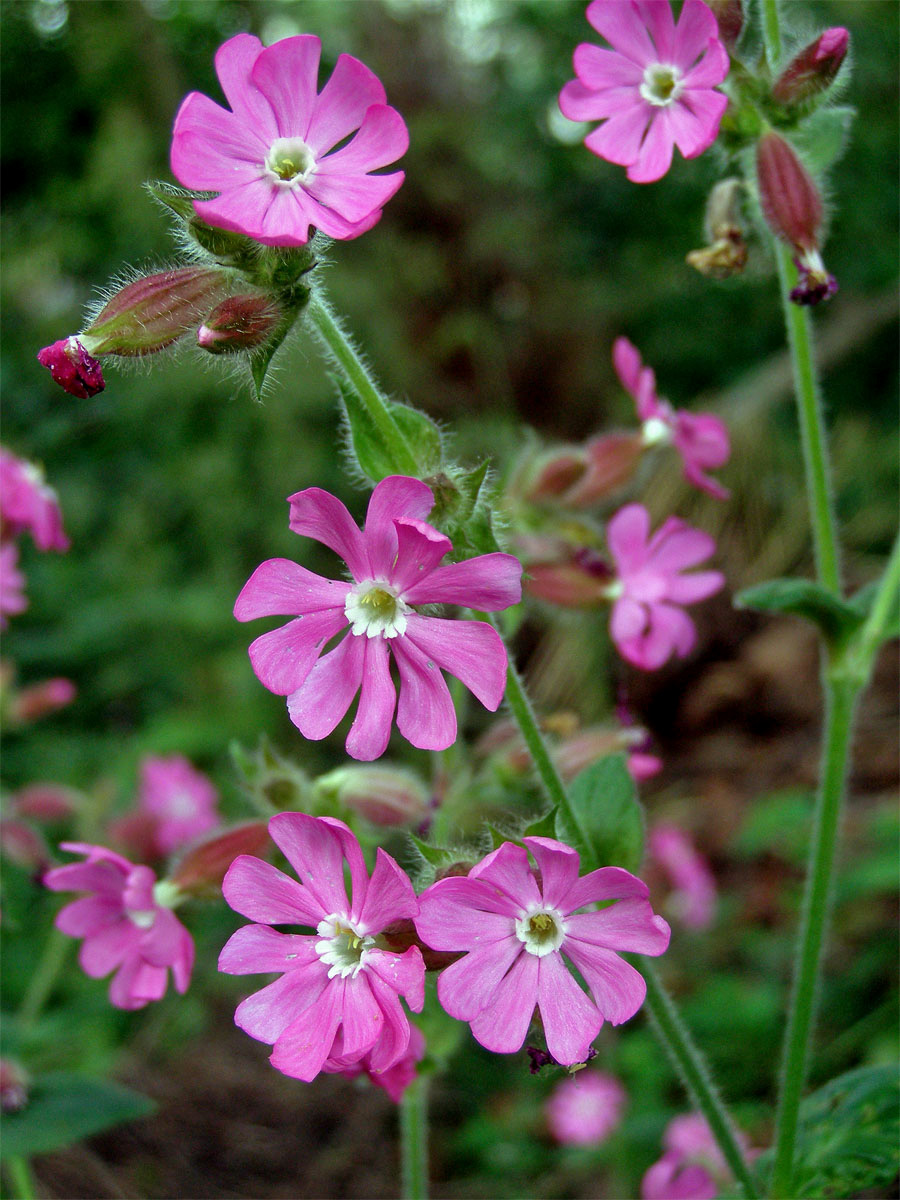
(556, 473)
(813, 69)
(383, 795)
(729, 16)
(44, 802)
(73, 368)
(40, 699)
(239, 323)
(611, 462)
(14, 1084)
(153, 312)
(23, 845)
(578, 580)
(203, 867)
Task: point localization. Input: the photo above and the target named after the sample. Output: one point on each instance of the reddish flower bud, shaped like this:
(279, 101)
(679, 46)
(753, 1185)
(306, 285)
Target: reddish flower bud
(23, 845)
(44, 802)
(73, 368)
(729, 16)
(580, 579)
(611, 462)
(383, 795)
(813, 69)
(40, 699)
(239, 323)
(556, 473)
(14, 1084)
(204, 866)
(153, 312)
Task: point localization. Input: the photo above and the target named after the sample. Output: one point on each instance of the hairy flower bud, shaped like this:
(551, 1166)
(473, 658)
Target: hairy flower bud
(611, 462)
(814, 69)
(203, 866)
(76, 371)
(729, 16)
(383, 795)
(153, 312)
(239, 323)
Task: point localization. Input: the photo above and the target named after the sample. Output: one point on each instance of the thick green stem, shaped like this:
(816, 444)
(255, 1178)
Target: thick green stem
(414, 1140)
(20, 1178)
(771, 32)
(841, 701)
(338, 345)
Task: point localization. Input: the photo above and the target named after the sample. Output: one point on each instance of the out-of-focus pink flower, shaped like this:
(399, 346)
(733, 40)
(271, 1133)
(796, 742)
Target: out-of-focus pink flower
(385, 795)
(585, 1109)
(40, 699)
(394, 563)
(23, 845)
(396, 1079)
(647, 623)
(76, 371)
(671, 1178)
(700, 438)
(12, 583)
(337, 1000)
(515, 933)
(654, 90)
(26, 502)
(693, 900)
(127, 925)
(180, 799)
(692, 1167)
(272, 158)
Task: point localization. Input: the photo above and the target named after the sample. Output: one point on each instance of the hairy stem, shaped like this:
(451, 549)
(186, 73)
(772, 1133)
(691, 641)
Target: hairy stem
(414, 1140)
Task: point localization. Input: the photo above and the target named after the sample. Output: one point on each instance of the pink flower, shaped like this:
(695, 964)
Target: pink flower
(515, 932)
(336, 1002)
(394, 563)
(180, 800)
(585, 1109)
(692, 1167)
(126, 924)
(654, 89)
(671, 1178)
(268, 158)
(76, 371)
(12, 583)
(694, 897)
(647, 624)
(26, 502)
(396, 1079)
(700, 438)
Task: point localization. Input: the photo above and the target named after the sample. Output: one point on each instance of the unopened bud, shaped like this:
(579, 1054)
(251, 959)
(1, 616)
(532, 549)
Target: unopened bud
(14, 1084)
(203, 867)
(726, 252)
(611, 462)
(153, 312)
(44, 802)
(813, 69)
(729, 16)
(40, 699)
(579, 580)
(23, 845)
(72, 368)
(556, 473)
(239, 323)
(383, 795)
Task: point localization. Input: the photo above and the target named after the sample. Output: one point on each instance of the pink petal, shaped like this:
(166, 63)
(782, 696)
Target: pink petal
(420, 547)
(88, 915)
(460, 914)
(688, 589)
(328, 690)
(247, 209)
(627, 620)
(470, 650)
(283, 658)
(558, 865)
(502, 1025)
(137, 984)
(183, 962)
(672, 627)
(262, 893)
(370, 730)
(468, 986)
(488, 583)
(342, 104)
(695, 131)
(425, 714)
(628, 925)
(657, 16)
(655, 155)
(214, 149)
(624, 29)
(330, 221)
(102, 951)
(402, 973)
(617, 988)
(571, 1021)
(121, 988)
(281, 588)
(579, 103)
(605, 70)
(257, 950)
(269, 1012)
(394, 497)
(626, 537)
(162, 943)
(287, 75)
(390, 895)
(396, 1032)
(710, 71)
(606, 883)
(316, 851)
(508, 869)
(619, 139)
(381, 140)
(107, 878)
(302, 1048)
(234, 64)
(353, 197)
(362, 1018)
(696, 31)
(317, 514)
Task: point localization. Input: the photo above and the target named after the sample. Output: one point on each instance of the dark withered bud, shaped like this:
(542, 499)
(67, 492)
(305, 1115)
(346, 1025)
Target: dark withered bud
(726, 251)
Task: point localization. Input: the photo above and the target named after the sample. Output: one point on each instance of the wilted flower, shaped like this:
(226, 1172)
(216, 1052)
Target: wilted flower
(272, 158)
(654, 90)
(518, 937)
(647, 623)
(585, 1109)
(76, 371)
(394, 563)
(336, 1001)
(127, 924)
(28, 503)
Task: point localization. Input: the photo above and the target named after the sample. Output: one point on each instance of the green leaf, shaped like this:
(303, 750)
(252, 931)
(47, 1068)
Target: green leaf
(544, 826)
(862, 601)
(261, 359)
(822, 137)
(848, 1136)
(836, 618)
(607, 825)
(63, 1108)
(422, 434)
(374, 457)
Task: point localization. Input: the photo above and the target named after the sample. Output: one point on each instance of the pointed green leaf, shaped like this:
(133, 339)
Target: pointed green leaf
(822, 137)
(261, 359)
(836, 618)
(606, 824)
(371, 452)
(862, 601)
(175, 199)
(63, 1108)
(437, 856)
(544, 826)
(422, 434)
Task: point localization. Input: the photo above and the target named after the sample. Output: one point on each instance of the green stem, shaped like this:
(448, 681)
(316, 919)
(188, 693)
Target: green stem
(872, 632)
(691, 1065)
(841, 699)
(20, 1177)
(338, 345)
(43, 980)
(414, 1140)
(771, 32)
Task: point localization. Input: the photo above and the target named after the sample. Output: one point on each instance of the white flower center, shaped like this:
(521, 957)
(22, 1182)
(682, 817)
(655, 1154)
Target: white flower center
(375, 609)
(343, 948)
(542, 931)
(290, 162)
(656, 432)
(662, 84)
(143, 918)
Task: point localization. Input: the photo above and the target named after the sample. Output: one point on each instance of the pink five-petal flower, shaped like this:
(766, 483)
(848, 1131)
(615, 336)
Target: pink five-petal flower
(126, 926)
(700, 438)
(395, 566)
(693, 899)
(272, 158)
(585, 1109)
(179, 799)
(519, 935)
(336, 1001)
(12, 583)
(647, 623)
(26, 502)
(654, 89)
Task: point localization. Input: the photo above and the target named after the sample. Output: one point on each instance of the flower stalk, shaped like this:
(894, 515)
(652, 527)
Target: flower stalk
(414, 1140)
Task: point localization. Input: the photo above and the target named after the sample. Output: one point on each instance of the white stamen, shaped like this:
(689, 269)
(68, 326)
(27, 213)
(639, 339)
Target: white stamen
(542, 931)
(375, 609)
(290, 162)
(662, 84)
(343, 947)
